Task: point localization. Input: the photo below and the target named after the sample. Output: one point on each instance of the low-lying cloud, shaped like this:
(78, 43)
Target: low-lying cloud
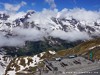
(70, 36)
(48, 27)
(21, 35)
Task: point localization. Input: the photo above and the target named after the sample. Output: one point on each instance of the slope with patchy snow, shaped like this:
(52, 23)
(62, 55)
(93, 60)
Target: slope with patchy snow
(26, 64)
(4, 61)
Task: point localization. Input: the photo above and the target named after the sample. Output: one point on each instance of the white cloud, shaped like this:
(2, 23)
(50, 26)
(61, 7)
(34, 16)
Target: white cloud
(51, 3)
(22, 35)
(11, 7)
(80, 14)
(29, 34)
(70, 36)
(12, 41)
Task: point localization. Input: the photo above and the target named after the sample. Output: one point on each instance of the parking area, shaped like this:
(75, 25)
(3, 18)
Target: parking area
(68, 66)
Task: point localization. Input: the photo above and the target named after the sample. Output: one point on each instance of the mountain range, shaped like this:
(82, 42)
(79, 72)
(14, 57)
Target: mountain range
(24, 35)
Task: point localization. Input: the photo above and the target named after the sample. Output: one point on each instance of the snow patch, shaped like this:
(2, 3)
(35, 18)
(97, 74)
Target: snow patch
(52, 52)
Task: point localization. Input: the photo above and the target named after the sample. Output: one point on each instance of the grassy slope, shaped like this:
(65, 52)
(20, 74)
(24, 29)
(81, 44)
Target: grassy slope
(83, 49)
